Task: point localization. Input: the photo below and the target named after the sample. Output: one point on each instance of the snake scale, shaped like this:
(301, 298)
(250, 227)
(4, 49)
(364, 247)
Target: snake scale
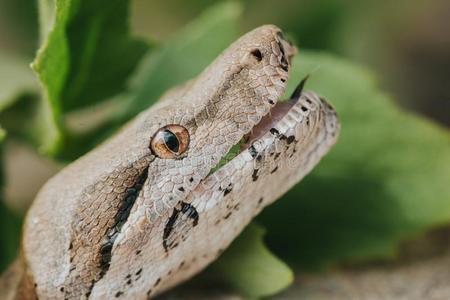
(165, 196)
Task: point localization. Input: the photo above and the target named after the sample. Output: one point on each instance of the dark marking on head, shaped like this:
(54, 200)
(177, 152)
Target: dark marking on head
(284, 65)
(185, 212)
(274, 131)
(157, 281)
(259, 158)
(138, 272)
(255, 175)
(282, 137)
(283, 61)
(181, 189)
(138, 252)
(304, 108)
(227, 191)
(61, 289)
(271, 102)
(260, 200)
(227, 215)
(290, 139)
(307, 120)
(181, 264)
(120, 218)
(274, 170)
(70, 246)
(191, 179)
(252, 151)
(236, 207)
(129, 281)
(105, 252)
(118, 294)
(277, 155)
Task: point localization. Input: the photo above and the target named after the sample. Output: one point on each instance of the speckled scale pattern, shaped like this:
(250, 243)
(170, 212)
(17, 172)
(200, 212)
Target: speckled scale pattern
(180, 219)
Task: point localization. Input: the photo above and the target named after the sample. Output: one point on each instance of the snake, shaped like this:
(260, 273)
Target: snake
(167, 194)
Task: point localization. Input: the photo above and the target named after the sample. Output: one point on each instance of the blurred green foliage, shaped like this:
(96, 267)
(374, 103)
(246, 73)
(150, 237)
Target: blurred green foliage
(385, 181)
(86, 57)
(179, 58)
(250, 267)
(9, 224)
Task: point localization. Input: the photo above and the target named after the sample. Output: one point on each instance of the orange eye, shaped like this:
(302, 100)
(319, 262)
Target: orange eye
(170, 141)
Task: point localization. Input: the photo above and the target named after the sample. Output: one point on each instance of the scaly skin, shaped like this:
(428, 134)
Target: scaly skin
(121, 222)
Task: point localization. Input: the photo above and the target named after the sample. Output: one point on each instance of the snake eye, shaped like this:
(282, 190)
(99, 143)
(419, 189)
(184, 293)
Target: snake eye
(170, 141)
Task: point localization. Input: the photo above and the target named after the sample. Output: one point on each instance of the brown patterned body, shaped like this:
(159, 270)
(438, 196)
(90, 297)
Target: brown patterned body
(122, 222)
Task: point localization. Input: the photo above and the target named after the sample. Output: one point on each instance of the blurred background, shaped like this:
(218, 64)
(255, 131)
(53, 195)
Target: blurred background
(406, 43)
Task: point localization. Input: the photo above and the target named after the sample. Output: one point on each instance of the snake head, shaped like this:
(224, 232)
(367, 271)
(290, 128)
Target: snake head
(149, 208)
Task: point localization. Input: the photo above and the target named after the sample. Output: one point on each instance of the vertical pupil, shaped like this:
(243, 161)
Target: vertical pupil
(171, 141)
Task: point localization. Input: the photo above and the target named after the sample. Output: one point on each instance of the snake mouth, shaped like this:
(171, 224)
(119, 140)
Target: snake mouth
(275, 115)
(268, 122)
(265, 125)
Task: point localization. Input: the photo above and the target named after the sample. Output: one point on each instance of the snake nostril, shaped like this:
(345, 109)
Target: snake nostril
(257, 54)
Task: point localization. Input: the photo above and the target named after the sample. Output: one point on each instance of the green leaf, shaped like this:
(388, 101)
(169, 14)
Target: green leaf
(184, 55)
(9, 223)
(86, 57)
(16, 82)
(251, 268)
(387, 179)
(178, 59)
